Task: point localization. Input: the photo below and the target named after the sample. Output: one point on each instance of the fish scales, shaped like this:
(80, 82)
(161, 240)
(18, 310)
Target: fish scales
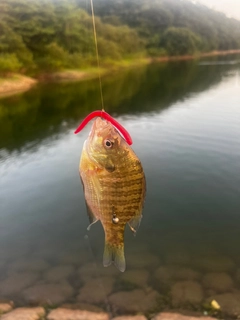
(118, 193)
(114, 187)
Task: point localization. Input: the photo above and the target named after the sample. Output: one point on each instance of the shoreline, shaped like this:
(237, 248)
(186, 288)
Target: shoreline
(18, 83)
(197, 56)
(15, 84)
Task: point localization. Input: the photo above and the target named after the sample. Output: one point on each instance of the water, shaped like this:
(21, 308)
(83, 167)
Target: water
(184, 119)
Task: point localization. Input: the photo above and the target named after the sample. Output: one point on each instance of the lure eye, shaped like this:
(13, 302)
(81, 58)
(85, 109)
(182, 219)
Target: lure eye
(108, 144)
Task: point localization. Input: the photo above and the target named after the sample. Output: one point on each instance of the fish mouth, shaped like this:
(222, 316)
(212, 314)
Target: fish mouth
(101, 127)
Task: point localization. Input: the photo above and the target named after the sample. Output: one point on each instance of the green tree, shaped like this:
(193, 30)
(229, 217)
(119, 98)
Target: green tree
(9, 63)
(180, 41)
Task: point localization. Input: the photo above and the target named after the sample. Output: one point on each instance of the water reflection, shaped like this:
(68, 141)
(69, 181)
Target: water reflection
(51, 109)
(185, 123)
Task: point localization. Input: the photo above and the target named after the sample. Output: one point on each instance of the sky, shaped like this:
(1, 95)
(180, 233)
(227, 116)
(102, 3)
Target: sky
(229, 7)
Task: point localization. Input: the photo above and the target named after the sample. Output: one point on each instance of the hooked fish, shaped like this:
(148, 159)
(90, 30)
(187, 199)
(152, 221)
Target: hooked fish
(114, 187)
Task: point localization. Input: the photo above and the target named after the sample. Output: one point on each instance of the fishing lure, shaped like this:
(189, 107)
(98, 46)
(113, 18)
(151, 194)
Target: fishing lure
(106, 116)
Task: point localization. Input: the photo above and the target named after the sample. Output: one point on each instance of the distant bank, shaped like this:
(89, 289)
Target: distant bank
(17, 83)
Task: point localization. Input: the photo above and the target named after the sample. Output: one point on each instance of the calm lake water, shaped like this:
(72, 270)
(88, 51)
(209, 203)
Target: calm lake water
(184, 118)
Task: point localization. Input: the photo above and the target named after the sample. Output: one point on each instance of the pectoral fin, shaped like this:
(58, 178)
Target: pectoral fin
(91, 216)
(134, 223)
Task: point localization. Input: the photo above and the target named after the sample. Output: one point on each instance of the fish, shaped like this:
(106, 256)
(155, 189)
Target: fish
(114, 187)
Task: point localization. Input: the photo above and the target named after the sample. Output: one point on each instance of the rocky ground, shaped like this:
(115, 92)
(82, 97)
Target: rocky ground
(39, 313)
(72, 286)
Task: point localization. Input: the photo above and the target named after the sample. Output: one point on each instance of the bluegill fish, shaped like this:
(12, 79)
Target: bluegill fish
(114, 187)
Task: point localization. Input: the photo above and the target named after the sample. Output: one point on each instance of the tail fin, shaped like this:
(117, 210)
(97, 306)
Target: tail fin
(114, 254)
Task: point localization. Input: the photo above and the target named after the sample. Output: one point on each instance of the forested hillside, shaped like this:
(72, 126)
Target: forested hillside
(38, 35)
(177, 26)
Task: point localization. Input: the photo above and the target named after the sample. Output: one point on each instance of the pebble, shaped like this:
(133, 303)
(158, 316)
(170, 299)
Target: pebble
(177, 316)
(184, 273)
(179, 258)
(96, 290)
(130, 318)
(137, 277)
(82, 306)
(51, 293)
(5, 307)
(67, 314)
(134, 301)
(185, 292)
(169, 274)
(214, 263)
(164, 274)
(238, 275)
(59, 273)
(37, 265)
(142, 260)
(16, 282)
(75, 259)
(219, 282)
(91, 270)
(24, 314)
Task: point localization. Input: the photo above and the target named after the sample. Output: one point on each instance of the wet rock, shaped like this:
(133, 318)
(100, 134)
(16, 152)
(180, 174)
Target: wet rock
(17, 282)
(91, 270)
(59, 273)
(210, 292)
(177, 316)
(137, 277)
(170, 274)
(36, 265)
(77, 259)
(13, 253)
(130, 318)
(134, 301)
(238, 275)
(180, 258)
(185, 273)
(164, 274)
(96, 290)
(5, 307)
(142, 260)
(229, 302)
(186, 292)
(82, 306)
(24, 314)
(214, 263)
(67, 314)
(51, 294)
(219, 282)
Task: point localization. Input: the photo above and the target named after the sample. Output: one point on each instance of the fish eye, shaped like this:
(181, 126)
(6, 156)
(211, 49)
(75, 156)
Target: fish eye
(108, 144)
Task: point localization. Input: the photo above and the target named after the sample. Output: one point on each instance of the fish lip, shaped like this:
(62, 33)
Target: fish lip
(96, 126)
(101, 127)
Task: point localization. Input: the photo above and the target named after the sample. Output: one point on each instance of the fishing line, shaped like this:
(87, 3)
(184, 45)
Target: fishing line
(97, 55)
